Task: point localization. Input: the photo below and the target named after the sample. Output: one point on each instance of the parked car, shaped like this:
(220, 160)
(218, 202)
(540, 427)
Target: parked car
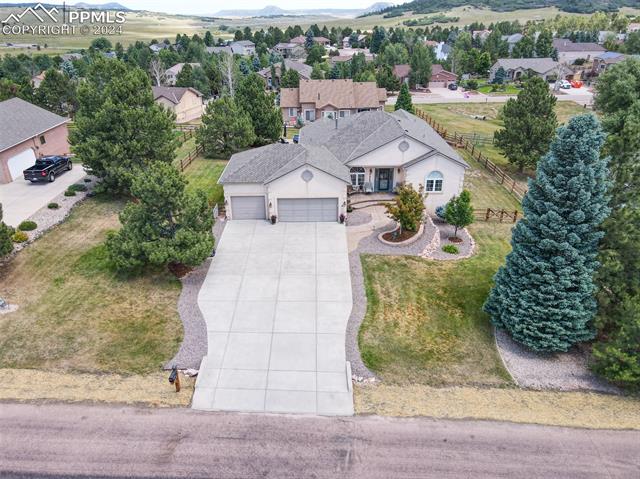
(565, 85)
(576, 84)
(47, 168)
(453, 86)
(296, 138)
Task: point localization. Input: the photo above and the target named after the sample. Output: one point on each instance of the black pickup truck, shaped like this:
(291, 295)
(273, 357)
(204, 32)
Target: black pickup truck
(47, 168)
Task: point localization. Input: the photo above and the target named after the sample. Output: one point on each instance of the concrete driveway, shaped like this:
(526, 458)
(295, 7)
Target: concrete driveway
(20, 198)
(276, 301)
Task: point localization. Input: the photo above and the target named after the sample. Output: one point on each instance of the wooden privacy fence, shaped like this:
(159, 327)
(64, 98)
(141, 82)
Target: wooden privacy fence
(186, 134)
(187, 160)
(462, 141)
(501, 215)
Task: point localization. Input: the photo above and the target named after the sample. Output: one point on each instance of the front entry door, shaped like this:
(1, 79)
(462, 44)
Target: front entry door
(384, 179)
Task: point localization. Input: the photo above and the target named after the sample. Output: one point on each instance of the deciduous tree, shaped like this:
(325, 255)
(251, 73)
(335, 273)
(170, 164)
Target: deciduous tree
(459, 212)
(408, 208)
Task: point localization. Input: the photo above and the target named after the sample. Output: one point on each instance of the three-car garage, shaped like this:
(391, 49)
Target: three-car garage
(288, 209)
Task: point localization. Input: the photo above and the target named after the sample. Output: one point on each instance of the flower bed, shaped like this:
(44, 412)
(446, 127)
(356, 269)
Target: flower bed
(406, 237)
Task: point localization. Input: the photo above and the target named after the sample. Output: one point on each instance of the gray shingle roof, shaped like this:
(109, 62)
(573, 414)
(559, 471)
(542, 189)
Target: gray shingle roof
(267, 163)
(21, 121)
(172, 93)
(538, 65)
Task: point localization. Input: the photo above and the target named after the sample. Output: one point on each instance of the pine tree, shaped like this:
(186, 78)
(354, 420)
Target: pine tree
(261, 108)
(500, 76)
(404, 99)
(617, 352)
(225, 128)
(544, 294)
(185, 77)
(308, 41)
(165, 225)
(544, 44)
(57, 93)
(529, 124)
(420, 62)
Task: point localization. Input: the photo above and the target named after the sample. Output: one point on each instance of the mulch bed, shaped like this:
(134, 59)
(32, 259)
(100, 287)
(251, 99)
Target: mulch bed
(396, 237)
(455, 239)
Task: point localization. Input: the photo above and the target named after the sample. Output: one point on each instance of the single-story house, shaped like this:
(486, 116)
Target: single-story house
(186, 103)
(605, 60)
(329, 99)
(546, 68)
(569, 52)
(158, 47)
(290, 50)
(28, 132)
(243, 47)
(370, 151)
(171, 75)
(303, 70)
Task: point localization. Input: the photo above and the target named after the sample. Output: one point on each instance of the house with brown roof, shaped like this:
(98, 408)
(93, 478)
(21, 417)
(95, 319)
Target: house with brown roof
(569, 52)
(402, 72)
(440, 78)
(605, 60)
(304, 71)
(28, 132)
(302, 40)
(329, 99)
(171, 74)
(290, 50)
(186, 103)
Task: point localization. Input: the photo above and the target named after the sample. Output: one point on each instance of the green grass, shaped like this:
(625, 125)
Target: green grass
(424, 322)
(202, 174)
(75, 314)
(508, 90)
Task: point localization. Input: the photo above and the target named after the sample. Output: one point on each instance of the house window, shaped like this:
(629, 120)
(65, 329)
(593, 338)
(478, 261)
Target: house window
(309, 115)
(345, 113)
(42, 140)
(434, 182)
(293, 112)
(328, 114)
(357, 177)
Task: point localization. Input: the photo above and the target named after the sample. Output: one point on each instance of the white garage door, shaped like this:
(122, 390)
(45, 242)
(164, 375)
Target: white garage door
(437, 84)
(308, 209)
(20, 162)
(247, 208)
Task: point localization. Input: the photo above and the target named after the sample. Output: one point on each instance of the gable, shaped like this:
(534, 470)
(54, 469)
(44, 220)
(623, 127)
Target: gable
(391, 154)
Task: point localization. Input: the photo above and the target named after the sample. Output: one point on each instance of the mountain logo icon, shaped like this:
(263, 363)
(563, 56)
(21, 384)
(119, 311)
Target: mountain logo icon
(39, 11)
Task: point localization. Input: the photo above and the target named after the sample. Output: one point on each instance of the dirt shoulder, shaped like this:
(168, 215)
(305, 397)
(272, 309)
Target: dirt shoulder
(570, 409)
(150, 389)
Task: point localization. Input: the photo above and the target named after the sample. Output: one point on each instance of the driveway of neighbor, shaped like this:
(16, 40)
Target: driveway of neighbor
(276, 301)
(20, 199)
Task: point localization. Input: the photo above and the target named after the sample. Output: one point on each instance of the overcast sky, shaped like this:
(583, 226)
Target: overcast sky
(208, 7)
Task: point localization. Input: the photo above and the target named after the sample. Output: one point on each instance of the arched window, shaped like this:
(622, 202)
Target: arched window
(434, 182)
(357, 177)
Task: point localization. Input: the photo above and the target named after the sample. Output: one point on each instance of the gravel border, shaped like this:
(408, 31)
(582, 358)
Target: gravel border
(466, 249)
(556, 371)
(194, 342)
(47, 218)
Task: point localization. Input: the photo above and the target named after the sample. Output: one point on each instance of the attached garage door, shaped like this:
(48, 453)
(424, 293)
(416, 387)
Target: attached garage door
(20, 162)
(247, 208)
(437, 84)
(308, 209)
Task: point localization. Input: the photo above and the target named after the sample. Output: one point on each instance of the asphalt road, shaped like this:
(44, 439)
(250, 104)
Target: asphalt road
(47, 441)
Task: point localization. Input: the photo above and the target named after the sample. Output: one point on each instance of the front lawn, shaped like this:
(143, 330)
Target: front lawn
(203, 174)
(424, 322)
(75, 314)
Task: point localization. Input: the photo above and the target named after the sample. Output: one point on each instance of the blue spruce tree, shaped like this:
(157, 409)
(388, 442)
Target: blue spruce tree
(544, 294)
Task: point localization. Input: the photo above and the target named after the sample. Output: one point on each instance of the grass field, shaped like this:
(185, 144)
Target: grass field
(203, 174)
(75, 314)
(424, 324)
(460, 117)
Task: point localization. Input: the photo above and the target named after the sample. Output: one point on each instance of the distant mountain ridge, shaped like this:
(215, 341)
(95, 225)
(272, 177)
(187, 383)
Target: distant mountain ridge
(274, 11)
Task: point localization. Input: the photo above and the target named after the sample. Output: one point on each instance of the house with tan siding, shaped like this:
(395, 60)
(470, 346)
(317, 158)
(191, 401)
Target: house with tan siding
(329, 99)
(186, 103)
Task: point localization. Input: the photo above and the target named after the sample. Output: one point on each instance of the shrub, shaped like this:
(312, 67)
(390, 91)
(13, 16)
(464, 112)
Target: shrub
(69, 193)
(27, 225)
(87, 180)
(53, 206)
(472, 84)
(19, 237)
(77, 187)
(6, 244)
(408, 208)
(450, 248)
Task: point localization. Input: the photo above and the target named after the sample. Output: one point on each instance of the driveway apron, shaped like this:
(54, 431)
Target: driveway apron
(276, 301)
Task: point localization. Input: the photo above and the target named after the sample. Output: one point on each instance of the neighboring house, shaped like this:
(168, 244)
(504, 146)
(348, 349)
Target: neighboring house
(290, 50)
(603, 35)
(481, 34)
(569, 52)
(218, 50)
(442, 51)
(303, 70)
(329, 98)
(430, 44)
(186, 103)
(512, 40)
(603, 61)
(67, 57)
(28, 132)
(302, 40)
(546, 68)
(402, 72)
(243, 48)
(346, 54)
(441, 78)
(370, 151)
(633, 27)
(171, 75)
(158, 47)
(346, 41)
